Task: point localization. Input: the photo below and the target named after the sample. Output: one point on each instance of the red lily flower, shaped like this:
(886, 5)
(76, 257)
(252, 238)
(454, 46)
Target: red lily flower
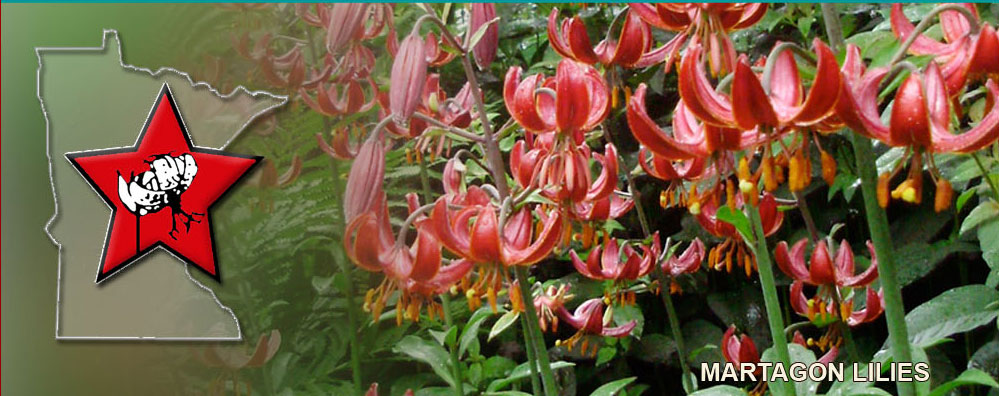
(474, 234)
(821, 268)
(485, 50)
(409, 74)
(603, 209)
(436, 50)
(823, 343)
(738, 350)
(830, 275)
(686, 263)
(353, 99)
(604, 262)
(590, 318)
(690, 139)
(920, 119)
(822, 311)
(573, 42)
(341, 146)
(964, 55)
(749, 105)
(733, 251)
(707, 24)
(549, 303)
(580, 102)
(564, 175)
(669, 170)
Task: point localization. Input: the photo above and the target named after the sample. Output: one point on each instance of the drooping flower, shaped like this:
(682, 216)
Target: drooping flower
(409, 74)
(733, 251)
(549, 303)
(591, 319)
(341, 146)
(739, 350)
(575, 101)
(920, 120)
(349, 23)
(836, 282)
(966, 53)
(687, 262)
(625, 50)
(353, 99)
(605, 263)
(474, 233)
(706, 24)
(822, 269)
(750, 105)
(485, 50)
(826, 344)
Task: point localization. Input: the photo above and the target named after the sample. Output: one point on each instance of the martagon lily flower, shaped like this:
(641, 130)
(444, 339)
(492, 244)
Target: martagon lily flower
(605, 263)
(476, 234)
(572, 103)
(706, 24)
(920, 120)
(968, 53)
(591, 319)
(836, 282)
(687, 262)
(734, 252)
(573, 42)
(738, 350)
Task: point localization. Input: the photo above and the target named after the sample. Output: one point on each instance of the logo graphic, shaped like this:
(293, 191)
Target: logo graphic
(160, 191)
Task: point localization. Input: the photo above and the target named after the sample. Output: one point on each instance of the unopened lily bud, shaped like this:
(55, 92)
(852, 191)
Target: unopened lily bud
(485, 50)
(409, 74)
(943, 196)
(828, 168)
(883, 189)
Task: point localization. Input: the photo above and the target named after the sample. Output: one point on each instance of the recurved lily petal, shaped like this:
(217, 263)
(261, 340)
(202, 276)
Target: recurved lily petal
(845, 267)
(857, 105)
(629, 47)
(698, 94)
(981, 135)
(750, 106)
(683, 145)
(519, 98)
(544, 243)
(874, 307)
(606, 183)
(738, 350)
(793, 263)
(409, 74)
(687, 262)
(572, 41)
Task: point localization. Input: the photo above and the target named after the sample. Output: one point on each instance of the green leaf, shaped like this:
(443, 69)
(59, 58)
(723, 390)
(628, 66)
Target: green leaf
(720, 390)
(605, 355)
(520, 372)
(737, 219)
(922, 258)
(988, 240)
(503, 323)
(470, 333)
(480, 33)
(985, 211)
(963, 199)
(612, 388)
(968, 377)
(799, 354)
(702, 342)
(427, 352)
(506, 393)
(626, 313)
(954, 311)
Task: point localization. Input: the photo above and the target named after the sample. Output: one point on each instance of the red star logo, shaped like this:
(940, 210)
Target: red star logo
(160, 191)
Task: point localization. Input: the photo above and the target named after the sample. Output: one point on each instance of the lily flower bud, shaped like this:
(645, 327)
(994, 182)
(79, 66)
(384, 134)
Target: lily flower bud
(409, 74)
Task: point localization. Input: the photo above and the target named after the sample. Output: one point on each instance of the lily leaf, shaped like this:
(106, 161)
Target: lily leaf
(954, 311)
(968, 377)
(613, 388)
(427, 352)
(503, 323)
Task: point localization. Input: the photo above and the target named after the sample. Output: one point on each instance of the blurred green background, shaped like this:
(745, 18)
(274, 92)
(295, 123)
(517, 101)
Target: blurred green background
(33, 361)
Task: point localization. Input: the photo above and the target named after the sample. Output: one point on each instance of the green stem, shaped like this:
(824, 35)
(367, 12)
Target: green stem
(536, 338)
(985, 175)
(770, 299)
(877, 221)
(445, 298)
(833, 29)
(674, 324)
(532, 367)
(355, 340)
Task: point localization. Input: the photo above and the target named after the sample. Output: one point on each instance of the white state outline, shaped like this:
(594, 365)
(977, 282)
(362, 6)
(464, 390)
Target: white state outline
(112, 33)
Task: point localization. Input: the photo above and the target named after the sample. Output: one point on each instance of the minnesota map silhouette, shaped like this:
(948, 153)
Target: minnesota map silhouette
(93, 100)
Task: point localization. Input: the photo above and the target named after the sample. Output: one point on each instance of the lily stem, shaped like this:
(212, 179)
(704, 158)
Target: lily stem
(674, 324)
(833, 29)
(496, 167)
(985, 175)
(531, 360)
(536, 338)
(877, 221)
(806, 214)
(355, 339)
(770, 298)
(459, 382)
